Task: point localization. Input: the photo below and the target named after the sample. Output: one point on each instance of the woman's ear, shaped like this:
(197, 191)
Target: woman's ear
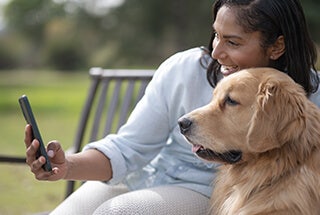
(277, 49)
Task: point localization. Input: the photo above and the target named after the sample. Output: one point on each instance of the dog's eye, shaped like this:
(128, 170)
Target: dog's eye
(230, 101)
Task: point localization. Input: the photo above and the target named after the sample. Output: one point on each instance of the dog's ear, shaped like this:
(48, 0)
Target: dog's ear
(278, 116)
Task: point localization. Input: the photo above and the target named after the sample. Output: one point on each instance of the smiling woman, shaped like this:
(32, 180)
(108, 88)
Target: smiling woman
(235, 48)
(262, 39)
(148, 154)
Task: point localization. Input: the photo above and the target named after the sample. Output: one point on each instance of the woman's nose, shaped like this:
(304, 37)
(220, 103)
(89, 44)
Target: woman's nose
(218, 51)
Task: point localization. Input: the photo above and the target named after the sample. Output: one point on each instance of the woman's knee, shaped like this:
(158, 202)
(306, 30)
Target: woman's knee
(159, 200)
(87, 198)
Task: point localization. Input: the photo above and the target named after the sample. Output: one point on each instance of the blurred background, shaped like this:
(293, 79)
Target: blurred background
(77, 34)
(73, 35)
(46, 50)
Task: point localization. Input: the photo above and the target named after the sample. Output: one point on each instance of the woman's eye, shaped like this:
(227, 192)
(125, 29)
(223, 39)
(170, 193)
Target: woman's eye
(233, 43)
(230, 101)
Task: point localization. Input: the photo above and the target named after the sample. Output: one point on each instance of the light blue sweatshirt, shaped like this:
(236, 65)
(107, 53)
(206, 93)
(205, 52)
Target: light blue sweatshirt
(149, 149)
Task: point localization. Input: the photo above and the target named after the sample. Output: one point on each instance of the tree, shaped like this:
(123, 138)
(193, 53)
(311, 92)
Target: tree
(134, 34)
(30, 17)
(145, 32)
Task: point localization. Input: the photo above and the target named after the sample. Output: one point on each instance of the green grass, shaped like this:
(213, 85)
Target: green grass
(57, 99)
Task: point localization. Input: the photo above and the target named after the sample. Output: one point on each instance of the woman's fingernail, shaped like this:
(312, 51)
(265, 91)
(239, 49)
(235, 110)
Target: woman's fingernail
(50, 153)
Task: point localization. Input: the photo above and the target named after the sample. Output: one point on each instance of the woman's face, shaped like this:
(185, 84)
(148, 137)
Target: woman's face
(234, 48)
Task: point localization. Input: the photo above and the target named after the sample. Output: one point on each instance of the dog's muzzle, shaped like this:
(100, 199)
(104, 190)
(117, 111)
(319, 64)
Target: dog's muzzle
(231, 157)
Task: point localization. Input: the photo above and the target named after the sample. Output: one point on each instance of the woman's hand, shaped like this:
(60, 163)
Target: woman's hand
(55, 153)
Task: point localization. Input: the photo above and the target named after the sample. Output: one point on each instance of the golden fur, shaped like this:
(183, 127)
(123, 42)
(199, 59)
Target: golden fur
(264, 114)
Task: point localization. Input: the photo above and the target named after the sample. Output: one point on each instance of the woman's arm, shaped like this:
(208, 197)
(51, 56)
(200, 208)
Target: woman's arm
(80, 166)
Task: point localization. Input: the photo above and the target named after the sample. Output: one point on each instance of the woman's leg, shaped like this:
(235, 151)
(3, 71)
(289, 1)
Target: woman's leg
(87, 198)
(156, 201)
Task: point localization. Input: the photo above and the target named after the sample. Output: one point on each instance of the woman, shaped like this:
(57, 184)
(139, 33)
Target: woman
(148, 155)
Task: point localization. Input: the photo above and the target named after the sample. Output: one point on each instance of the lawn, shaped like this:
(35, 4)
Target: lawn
(56, 99)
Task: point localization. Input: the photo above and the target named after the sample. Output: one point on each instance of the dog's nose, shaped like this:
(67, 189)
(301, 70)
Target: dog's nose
(185, 125)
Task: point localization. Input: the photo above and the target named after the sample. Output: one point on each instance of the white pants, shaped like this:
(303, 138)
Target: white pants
(98, 198)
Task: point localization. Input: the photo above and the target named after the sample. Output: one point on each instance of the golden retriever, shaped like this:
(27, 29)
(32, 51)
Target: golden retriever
(266, 133)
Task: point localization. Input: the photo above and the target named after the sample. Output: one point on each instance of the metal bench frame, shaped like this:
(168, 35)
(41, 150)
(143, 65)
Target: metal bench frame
(114, 92)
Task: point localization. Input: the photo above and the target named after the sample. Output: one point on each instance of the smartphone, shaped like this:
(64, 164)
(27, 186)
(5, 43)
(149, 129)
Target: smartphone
(30, 119)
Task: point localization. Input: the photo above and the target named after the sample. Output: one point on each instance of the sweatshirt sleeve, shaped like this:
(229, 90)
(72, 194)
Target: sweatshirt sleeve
(315, 97)
(147, 129)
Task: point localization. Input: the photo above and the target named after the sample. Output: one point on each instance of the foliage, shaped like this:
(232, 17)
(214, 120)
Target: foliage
(62, 49)
(153, 30)
(7, 59)
(138, 33)
(30, 17)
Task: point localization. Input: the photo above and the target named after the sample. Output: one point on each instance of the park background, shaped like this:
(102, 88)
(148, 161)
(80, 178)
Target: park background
(46, 50)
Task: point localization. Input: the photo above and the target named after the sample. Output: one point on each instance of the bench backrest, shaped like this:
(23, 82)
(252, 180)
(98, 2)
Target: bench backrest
(112, 95)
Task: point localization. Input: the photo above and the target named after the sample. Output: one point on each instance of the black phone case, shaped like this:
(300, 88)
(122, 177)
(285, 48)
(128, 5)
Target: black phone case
(29, 117)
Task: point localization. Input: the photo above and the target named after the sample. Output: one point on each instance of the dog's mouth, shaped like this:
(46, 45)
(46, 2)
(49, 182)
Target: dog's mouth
(230, 157)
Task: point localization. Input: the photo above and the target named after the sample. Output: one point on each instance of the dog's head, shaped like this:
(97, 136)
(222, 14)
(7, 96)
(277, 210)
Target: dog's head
(252, 111)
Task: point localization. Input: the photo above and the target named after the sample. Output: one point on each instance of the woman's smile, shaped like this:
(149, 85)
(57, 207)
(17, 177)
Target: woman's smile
(227, 70)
